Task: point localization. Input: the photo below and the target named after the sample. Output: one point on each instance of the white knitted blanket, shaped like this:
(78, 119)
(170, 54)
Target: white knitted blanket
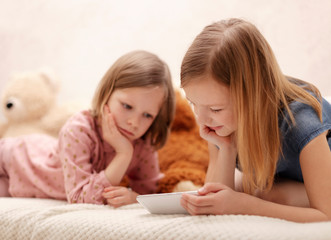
(51, 219)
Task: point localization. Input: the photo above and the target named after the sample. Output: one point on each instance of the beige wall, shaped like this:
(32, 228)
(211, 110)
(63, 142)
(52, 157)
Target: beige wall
(80, 39)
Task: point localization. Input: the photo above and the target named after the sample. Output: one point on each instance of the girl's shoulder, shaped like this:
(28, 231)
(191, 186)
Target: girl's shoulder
(80, 121)
(305, 113)
(83, 117)
(307, 124)
(142, 146)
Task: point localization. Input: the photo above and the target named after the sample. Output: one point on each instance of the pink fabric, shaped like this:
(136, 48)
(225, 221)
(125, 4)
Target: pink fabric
(72, 167)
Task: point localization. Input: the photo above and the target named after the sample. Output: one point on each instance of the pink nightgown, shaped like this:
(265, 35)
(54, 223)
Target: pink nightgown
(72, 166)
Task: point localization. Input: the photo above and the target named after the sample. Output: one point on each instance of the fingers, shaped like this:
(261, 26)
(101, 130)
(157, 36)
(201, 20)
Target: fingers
(201, 201)
(109, 127)
(116, 202)
(106, 113)
(108, 119)
(106, 109)
(211, 188)
(206, 132)
(197, 205)
(204, 203)
(105, 118)
(209, 135)
(116, 196)
(113, 191)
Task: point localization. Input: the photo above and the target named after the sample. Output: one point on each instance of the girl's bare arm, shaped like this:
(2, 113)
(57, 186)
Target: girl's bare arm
(222, 164)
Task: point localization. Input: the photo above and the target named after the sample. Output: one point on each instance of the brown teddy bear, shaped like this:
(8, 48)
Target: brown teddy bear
(184, 159)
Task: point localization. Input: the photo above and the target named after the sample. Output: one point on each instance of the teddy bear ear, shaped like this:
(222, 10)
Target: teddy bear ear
(51, 78)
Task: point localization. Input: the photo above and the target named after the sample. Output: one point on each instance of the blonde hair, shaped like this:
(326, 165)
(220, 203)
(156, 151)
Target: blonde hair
(139, 69)
(236, 54)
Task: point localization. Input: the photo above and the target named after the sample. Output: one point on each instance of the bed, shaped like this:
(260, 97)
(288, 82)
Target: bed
(53, 219)
(30, 218)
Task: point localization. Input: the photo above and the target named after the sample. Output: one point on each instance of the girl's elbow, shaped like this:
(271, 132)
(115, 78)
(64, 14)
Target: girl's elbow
(324, 216)
(328, 217)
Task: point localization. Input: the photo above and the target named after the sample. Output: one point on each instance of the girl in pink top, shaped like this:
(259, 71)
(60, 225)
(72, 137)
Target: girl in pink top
(131, 113)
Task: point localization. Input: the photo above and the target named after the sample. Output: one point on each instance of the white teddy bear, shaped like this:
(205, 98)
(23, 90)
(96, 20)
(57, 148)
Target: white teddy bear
(28, 104)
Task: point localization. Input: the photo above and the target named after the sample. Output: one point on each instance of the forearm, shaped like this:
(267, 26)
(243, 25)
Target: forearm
(255, 206)
(221, 172)
(221, 167)
(117, 168)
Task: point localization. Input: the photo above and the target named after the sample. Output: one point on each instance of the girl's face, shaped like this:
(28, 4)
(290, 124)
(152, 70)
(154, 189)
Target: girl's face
(134, 109)
(212, 105)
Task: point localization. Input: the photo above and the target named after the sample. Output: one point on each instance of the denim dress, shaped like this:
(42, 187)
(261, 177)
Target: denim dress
(295, 137)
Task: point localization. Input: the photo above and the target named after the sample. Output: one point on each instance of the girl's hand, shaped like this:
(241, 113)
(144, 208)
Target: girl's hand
(119, 196)
(212, 137)
(213, 198)
(111, 133)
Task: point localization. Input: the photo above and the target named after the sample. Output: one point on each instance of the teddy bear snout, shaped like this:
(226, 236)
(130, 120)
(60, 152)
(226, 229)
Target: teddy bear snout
(14, 110)
(9, 105)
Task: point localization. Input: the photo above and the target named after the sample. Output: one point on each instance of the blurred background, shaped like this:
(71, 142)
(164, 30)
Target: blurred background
(80, 39)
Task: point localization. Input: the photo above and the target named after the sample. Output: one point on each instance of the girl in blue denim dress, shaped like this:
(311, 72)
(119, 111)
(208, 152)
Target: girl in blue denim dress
(269, 134)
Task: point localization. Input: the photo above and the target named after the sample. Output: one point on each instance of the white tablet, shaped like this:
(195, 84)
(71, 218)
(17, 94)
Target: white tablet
(163, 203)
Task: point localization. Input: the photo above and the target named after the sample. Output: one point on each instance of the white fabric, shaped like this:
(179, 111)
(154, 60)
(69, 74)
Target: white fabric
(51, 219)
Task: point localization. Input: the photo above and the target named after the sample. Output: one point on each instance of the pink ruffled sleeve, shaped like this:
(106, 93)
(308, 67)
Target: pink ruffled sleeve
(78, 145)
(146, 173)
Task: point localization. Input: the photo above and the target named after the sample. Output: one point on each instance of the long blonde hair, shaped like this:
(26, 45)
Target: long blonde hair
(140, 69)
(235, 53)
